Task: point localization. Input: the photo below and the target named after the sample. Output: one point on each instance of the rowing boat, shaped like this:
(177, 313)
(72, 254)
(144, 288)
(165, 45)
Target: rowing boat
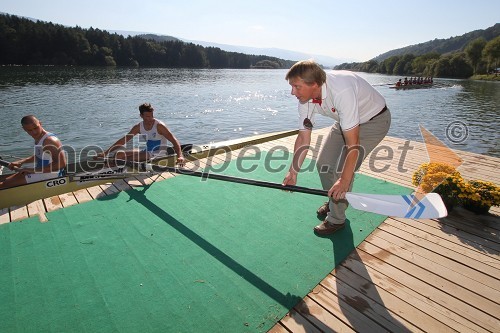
(97, 173)
(412, 86)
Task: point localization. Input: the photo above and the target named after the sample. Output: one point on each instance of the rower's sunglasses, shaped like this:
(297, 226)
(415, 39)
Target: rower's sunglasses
(308, 124)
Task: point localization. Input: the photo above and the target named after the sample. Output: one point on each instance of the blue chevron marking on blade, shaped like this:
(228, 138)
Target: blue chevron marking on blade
(421, 207)
(421, 210)
(408, 199)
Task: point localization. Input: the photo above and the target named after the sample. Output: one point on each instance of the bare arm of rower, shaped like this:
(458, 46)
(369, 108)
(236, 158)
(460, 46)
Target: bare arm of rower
(54, 147)
(122, 141)
(17, 164)
(300, 149)
(163, 130)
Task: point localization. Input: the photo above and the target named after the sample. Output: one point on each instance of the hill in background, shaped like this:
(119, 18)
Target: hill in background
(272, 52)
(443, 46)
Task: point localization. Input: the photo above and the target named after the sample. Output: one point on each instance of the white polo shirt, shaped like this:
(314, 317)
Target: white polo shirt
(347, 98)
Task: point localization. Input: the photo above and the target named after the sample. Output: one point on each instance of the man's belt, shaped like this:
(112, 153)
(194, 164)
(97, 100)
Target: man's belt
(378, 114)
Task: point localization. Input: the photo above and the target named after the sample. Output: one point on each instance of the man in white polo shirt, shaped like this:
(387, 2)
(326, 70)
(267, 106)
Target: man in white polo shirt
(362, 121)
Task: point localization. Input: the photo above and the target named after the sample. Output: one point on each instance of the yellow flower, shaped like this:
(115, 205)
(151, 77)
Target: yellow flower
(445, 180)
(482, 193)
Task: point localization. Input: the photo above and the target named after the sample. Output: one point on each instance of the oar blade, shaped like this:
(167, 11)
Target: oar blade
(431, 206)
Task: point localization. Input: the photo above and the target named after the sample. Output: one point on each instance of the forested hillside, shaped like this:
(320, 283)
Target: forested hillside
(27, 42)
(473, 54)
(443, 46)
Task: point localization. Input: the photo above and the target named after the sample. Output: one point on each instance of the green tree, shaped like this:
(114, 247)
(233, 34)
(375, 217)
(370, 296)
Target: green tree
(453, 66)
(491, 53)
(387, 66)
(403, 66)
(474, 52)
(419, 64)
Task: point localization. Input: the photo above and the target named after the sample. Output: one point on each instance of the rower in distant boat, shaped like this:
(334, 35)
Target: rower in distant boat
(49, 157)
(155, 134)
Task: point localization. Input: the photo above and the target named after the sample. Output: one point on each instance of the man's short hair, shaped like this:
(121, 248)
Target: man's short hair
(307, 70)
(146, 107)
(28, 120)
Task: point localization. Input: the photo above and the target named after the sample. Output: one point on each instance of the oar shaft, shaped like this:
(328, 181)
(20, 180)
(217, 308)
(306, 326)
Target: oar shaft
(4, 163)
(207, 175)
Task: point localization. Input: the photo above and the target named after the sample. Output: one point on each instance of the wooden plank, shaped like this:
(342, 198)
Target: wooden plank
(458, 236)
(82, 195)
(448, 269)
(430, 291)
(321, 317)
(437, 257)
(294, 322)
(167, 175)
(109, 189)
(400, 290)
(122, 185)
(390, 321)
(435, 278)
(37, 208)
(422, 242)
(278, 328)
(338, 307)
(18, 213)
(96, 192)
(4, 216)
(413, 228)
(68, 199)
(392, 303)
(52, 203)
(136, 181)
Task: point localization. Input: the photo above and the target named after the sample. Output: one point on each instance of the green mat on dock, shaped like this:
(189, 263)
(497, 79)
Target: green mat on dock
(182, 255)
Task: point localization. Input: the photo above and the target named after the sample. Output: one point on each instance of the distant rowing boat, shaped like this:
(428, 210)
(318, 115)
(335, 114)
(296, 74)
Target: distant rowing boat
(96, 173)
(412, 86)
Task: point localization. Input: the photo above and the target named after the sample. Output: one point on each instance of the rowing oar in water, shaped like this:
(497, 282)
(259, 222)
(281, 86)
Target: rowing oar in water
(407, 206)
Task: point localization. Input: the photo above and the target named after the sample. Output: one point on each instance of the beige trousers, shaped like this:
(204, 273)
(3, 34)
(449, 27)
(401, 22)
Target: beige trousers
(332, 156)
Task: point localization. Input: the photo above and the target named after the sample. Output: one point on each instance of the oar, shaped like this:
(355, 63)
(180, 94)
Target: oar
(430, 206)
(383, 84)
(5, 163)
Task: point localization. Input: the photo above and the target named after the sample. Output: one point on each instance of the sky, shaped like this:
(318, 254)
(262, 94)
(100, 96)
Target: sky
(357, 30)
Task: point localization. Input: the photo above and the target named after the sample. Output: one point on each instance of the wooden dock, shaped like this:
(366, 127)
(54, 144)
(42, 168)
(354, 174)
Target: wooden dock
(407, 276)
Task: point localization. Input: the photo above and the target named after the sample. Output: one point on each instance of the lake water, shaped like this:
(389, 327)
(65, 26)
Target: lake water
(95, 106)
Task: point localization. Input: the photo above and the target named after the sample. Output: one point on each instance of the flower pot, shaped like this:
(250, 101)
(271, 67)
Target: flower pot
(448, 203)
(476, 208)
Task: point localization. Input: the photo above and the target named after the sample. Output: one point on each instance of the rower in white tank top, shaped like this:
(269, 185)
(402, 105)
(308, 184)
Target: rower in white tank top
(155, 142)
(43, 158)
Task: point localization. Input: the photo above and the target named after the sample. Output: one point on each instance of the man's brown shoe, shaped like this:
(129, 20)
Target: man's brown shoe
(327, 228)
(324, 209)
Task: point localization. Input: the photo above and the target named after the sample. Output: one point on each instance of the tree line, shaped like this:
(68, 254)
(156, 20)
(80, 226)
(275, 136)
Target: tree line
(27, 42)
(478, 57)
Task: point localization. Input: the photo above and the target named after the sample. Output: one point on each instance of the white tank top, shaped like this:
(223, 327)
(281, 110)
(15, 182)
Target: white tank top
(42, 158)
(154, 140)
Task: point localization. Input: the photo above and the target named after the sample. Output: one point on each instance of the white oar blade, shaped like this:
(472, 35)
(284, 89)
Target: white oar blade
(431, 206)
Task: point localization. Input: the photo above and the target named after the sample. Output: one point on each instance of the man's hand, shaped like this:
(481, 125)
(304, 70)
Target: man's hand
(290, 178)
(14, 166)
(339, 189)
(180, 161)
